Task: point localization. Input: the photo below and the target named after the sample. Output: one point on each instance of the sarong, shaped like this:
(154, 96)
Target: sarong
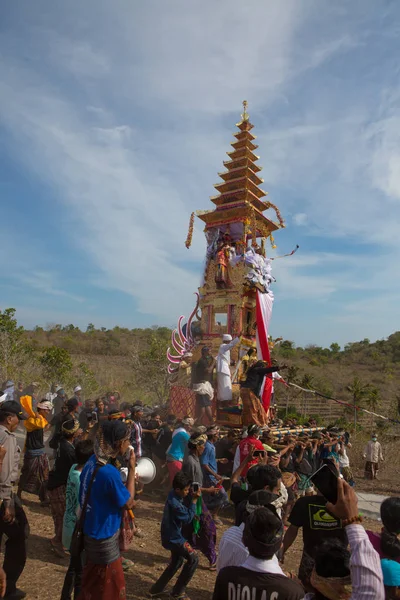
(206, 538)
(174, 466)
(34, 475)
(253, 411)
(371, 469)
(305, 569)
(57, 505)
(224, 384)
(103, 582)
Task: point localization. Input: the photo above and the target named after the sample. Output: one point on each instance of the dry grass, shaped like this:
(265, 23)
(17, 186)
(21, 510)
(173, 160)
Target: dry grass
(44, 573)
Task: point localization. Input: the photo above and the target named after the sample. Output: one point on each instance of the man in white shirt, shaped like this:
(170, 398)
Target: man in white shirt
(224, 381)
(372, 454)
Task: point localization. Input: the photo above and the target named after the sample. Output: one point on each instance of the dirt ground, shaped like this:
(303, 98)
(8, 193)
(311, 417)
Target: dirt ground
(44, 572)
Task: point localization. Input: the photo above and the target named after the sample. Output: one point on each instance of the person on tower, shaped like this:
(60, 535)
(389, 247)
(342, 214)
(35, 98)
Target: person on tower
(224, 380)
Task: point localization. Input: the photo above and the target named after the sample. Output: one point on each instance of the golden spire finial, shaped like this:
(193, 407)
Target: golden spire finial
(245, 116)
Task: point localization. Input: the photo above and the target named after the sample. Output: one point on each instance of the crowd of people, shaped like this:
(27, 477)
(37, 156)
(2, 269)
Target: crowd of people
(89, 482)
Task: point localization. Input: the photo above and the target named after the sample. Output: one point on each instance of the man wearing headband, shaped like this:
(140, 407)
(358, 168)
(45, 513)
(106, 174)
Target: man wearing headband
(260, 577)
(215, 500)
(137, 430)
(58, 477)
(224, 379)
(103, 576)
(35, 470)
(202, 532)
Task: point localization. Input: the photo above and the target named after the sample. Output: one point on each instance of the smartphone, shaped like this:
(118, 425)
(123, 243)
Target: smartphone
(195, 487)
(325, 481)
(95, 417)
(258, 453)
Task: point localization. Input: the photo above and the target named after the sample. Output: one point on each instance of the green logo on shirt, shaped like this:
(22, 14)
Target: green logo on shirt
(321, 519)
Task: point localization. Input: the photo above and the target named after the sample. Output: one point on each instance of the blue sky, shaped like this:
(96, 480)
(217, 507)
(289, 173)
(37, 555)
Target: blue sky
(114, 121)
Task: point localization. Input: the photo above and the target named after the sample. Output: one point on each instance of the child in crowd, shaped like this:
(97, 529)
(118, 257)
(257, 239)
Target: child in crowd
(175, 515)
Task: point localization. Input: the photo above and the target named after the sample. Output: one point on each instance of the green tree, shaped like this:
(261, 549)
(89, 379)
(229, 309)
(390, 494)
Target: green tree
(90, 328)
(150, 366)
(287, 349)
(13, 346)
(358, 391)
(334, 348)
(87, 379)
(56, 364)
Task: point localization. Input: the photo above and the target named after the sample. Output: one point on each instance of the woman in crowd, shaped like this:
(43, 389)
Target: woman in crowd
(58, 477)
(387, 544)
(176, 451)
(35, 470)
(201, 532)
(103, 576)
(72, 582)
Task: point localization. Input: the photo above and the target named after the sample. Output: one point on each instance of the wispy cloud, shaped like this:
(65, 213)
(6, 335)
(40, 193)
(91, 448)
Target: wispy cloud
(45, 282)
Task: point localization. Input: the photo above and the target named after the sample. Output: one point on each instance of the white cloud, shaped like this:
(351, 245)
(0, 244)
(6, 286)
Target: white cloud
(300, 219)
(129, 114)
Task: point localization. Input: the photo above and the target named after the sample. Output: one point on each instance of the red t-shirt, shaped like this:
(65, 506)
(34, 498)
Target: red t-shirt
(244, 448)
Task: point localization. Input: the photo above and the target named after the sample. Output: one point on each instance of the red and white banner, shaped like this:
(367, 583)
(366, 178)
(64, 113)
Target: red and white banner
(263, 316)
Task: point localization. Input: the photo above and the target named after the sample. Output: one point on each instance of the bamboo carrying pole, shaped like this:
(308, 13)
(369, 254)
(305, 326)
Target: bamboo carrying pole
(283, 431)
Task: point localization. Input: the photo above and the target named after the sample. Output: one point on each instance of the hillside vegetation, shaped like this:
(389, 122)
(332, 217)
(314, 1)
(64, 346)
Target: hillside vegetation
(133, 362)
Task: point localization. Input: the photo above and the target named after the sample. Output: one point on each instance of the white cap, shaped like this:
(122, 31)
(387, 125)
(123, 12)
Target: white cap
(226, 337)
(77, 389)
(46, 405)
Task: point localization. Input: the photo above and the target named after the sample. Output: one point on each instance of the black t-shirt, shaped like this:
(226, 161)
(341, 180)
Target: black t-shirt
(201, 370)
(318, 525)
(239, 498)
(163, 442)
(224, 448)
(65, 458)
(239, 582)
(255, 377)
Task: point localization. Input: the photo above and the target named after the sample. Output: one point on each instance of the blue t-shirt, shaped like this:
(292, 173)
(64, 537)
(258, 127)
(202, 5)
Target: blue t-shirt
(209, 458)
(391, 572)
(178, 447)
(107, 498)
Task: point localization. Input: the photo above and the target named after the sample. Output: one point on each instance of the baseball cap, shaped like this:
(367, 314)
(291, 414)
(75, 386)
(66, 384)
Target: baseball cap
(10, 406)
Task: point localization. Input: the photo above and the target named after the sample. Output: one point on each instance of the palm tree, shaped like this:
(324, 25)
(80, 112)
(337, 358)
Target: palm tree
(358, 391)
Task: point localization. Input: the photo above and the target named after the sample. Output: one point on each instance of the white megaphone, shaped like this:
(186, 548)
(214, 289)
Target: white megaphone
(146, 470)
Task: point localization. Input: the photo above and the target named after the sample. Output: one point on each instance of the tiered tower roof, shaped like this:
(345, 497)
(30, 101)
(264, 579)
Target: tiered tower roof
(240, 196)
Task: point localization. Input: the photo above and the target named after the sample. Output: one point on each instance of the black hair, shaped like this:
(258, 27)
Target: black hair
(181, 481)
(331, 465)
(261, 526)
(4, 414)
(262, 476)
(83, 451)
(390, 516)
(332, 559)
